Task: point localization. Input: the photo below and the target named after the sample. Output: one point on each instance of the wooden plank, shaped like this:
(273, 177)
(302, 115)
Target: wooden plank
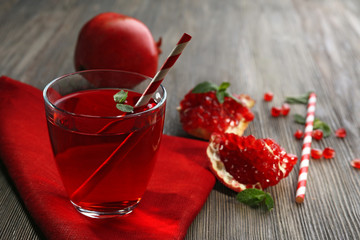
(287, 47)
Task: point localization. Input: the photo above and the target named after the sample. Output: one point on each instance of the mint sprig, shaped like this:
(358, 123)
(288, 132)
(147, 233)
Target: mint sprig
(220, 91)
(204, 87)
(300, 99)
(120, 97)
(318, 124)
(254, 198)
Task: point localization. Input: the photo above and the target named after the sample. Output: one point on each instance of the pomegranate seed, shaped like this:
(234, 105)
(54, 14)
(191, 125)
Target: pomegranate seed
(329, 153)
(285, 109)
(268, 96)
(355, 163)
(340, 133)
(275, 111)
(298, 134)
(316, 153)
(317, 134)
(249, 116)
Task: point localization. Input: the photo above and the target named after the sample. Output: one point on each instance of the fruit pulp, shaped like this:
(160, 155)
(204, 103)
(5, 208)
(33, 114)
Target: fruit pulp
(82, 143)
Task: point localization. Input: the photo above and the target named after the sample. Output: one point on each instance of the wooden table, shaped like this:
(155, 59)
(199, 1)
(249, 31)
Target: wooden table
(286, 46)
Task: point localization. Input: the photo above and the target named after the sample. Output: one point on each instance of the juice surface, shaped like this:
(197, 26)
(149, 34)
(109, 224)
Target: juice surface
(78, 154)
(98, 102)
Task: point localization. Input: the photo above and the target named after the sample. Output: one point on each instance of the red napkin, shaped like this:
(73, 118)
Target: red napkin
(178, 189)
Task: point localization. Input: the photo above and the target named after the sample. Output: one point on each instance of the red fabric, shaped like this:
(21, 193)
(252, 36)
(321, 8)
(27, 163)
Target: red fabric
(178, 189)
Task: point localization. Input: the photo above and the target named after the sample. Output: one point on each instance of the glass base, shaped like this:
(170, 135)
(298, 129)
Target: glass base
(102, 215)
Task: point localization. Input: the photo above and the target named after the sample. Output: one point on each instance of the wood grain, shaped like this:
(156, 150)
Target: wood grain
(285, 46)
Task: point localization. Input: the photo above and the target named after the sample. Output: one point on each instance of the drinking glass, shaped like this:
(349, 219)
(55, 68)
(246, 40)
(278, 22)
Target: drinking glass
(105, 157)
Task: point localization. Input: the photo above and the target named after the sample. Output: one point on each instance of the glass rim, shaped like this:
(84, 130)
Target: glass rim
(49, 103)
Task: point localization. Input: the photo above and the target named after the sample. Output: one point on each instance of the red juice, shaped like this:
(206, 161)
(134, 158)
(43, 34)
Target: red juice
(105, 162)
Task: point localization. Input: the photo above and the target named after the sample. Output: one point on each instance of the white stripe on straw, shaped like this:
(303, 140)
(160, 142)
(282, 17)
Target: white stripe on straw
(306, 149)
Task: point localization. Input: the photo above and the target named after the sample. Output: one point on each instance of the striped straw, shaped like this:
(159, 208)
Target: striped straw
(306, 149)
(160, 75)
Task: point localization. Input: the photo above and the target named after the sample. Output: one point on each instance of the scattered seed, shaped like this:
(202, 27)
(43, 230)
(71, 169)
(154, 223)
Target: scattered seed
(329, 153)
(316, 153)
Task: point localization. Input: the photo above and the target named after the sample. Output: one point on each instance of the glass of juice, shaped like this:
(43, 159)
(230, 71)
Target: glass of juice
(105, 157)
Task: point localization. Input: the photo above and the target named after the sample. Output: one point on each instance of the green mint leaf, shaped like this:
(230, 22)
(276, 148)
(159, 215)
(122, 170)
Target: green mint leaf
(220, 95)
(299, 119)
(254, 198)
(318, 124)
(120, 97)
(124, 107)
(204, 87)
(221, 92)
(251, 196)
(226, 94)
(301, 99)
(223, 86)
(269, 202)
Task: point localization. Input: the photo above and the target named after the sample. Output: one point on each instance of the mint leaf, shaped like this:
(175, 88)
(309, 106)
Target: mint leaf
(220, 95)
(301, 99)
(204, 87)
(254, 198)
(220, 91)
(318, 124)
(223, 86)
(120, 97)
(269, 202)
(124, 107)
(299, 119)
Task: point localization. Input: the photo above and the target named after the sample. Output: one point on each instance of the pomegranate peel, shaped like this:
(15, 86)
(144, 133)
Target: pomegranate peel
(245, 99)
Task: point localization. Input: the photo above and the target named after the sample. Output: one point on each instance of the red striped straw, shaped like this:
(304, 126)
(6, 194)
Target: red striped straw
(160, 75)
(126, 146)
(306, 149)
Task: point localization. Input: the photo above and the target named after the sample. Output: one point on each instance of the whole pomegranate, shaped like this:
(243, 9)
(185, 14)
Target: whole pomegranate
(115, 41)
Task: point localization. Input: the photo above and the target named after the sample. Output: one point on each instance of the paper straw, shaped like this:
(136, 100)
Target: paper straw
(160, 75)
(127, 145)
(306, 149)
(118, 154)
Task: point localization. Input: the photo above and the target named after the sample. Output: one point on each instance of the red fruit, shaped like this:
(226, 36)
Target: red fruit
(340, 133)
(268, 96)
(355, 163)
(317, 134)
(316, 153)
(329, 153)
(285, 109)
(242, 162)
(115, 41)
(275, 111)
(298, 134)
(201, 114)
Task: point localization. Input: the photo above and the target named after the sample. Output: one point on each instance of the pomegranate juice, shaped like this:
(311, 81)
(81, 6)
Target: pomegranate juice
(105, 162)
